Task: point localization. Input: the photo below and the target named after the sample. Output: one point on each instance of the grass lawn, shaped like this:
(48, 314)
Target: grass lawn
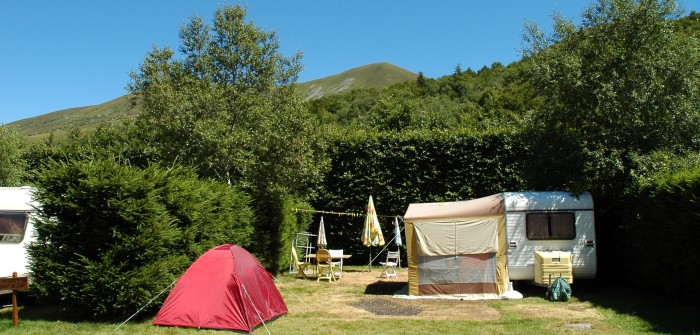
(362, 303)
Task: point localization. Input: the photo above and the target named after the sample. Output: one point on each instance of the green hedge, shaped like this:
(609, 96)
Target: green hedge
(276, 226)
(111, 236)
(401, 168)
(661, 233)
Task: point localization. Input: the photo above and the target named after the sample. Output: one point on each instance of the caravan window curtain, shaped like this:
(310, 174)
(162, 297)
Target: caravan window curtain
(12, 227)
(563, 226)
(550, 226)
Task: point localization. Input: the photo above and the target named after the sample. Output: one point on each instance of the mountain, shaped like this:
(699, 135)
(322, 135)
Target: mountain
(378, 75)
(62, 121)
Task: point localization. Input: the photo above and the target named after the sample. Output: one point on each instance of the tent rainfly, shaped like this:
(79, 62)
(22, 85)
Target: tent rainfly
(225, 288)
(457, 248)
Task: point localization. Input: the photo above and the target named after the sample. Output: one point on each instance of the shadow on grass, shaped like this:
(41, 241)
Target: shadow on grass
(36, 312)
(665, 314)
(30, 309)
(384, 288)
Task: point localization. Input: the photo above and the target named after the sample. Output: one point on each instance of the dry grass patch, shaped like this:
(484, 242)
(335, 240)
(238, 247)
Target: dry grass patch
(564, 311)
(362, 295)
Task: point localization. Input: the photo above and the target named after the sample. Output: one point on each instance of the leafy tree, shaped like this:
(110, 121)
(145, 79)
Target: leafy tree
(619, 86)
(689, 24)
(422, 83)
(622, 82)
(12, 165)
(229, 108)
(120, 140)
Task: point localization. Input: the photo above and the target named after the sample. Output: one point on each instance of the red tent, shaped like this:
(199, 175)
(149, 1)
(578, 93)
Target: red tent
(226, 288)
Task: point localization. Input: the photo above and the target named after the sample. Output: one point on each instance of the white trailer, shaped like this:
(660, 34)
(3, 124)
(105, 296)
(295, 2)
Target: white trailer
(549, 221)
(17, 208)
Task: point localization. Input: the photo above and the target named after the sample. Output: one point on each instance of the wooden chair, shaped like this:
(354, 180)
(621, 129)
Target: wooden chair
(324, 265)
(392, 260)
(301, 266)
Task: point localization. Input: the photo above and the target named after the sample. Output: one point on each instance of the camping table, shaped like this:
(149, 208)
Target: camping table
(340, 257)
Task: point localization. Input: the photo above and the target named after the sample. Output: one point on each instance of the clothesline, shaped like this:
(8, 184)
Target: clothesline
(302, 210)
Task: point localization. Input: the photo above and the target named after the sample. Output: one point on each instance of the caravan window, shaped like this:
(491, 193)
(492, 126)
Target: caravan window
(12, 227)
(550, 226)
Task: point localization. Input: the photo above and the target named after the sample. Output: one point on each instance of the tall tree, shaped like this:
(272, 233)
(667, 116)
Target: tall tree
(229, 108)
(12, 166)
(621, 83)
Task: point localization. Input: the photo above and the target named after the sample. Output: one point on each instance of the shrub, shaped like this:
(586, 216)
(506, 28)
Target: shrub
(111, 236)
(661, 230)
(276, 226)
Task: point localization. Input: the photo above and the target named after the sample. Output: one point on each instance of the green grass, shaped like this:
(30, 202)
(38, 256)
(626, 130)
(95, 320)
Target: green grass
(319, 307)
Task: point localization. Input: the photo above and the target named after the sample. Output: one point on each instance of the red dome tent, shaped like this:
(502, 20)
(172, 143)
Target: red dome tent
(225, 288)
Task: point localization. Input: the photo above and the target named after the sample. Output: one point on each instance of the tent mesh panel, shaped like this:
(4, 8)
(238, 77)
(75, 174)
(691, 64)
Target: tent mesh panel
(474, 268)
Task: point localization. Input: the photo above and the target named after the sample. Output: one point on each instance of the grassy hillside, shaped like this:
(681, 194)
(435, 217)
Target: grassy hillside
(379, 75)
(62, 121)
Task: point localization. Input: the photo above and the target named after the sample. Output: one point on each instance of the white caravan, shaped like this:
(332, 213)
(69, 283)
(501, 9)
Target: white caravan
(16, 229)
(549, 221)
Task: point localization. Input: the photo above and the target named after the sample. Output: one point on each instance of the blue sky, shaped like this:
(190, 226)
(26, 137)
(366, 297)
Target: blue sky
(63, 54)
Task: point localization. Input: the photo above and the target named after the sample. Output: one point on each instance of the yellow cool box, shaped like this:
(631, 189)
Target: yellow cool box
(551, 264)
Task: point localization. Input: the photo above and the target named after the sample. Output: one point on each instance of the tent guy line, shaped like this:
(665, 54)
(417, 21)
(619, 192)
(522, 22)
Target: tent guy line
(255, 308)
(148, 303)
(290, 291)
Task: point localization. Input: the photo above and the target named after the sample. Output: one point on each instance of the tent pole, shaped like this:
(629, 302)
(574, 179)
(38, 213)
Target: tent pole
(377, 255)
(370, 258)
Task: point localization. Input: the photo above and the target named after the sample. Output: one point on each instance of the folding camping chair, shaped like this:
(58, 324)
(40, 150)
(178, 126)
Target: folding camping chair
(338, 255)
(301, 266)
(392, 260)
(324, 265)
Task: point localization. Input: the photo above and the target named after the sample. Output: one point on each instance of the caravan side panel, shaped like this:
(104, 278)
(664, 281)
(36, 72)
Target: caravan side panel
(521, 250)
(16, 229)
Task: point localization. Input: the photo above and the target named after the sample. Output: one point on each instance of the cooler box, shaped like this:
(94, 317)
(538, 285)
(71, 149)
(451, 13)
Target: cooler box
(554, 264)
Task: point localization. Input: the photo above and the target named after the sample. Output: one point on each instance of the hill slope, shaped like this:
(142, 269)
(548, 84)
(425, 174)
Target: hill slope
(378, 75)
(88, 117)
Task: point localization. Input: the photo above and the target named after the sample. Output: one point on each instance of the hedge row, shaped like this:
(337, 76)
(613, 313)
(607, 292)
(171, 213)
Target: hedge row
(399, 169)
(111, 236)
(661, 233)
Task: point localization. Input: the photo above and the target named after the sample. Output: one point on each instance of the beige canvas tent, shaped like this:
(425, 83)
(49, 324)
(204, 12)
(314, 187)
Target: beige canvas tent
(457, 248)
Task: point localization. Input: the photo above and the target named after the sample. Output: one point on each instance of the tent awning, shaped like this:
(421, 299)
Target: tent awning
(486, 206)
(472, 236)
